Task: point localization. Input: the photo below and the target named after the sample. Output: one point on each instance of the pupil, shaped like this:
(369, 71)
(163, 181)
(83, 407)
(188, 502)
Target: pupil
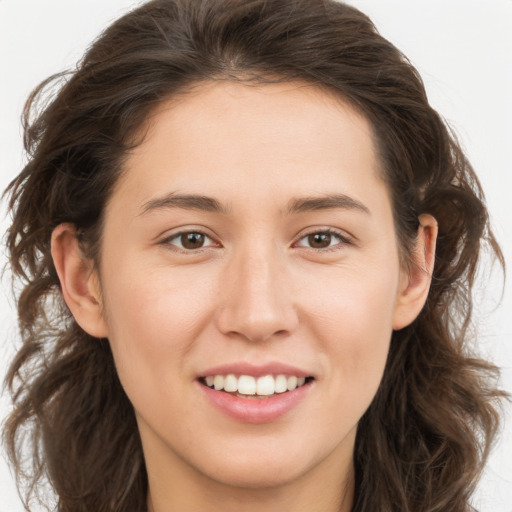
(192, 240)
(320, 240)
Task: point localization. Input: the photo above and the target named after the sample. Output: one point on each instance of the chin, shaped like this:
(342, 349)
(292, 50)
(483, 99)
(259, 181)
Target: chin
(257, 475)
(257, 468)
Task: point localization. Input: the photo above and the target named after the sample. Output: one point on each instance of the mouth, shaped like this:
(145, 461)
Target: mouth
(252, 387)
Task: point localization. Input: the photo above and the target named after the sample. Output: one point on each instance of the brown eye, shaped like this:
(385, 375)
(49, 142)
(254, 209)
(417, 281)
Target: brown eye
(190, 240)
(323, 240)
(319, 240)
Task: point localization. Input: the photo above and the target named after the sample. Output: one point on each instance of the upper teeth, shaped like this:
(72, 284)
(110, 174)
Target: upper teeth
(249, 385)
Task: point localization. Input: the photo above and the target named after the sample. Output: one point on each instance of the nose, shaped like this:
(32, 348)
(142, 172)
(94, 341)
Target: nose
(256, 297)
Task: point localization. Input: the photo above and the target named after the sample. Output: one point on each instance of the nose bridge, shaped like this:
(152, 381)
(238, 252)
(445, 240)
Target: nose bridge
(256, 301)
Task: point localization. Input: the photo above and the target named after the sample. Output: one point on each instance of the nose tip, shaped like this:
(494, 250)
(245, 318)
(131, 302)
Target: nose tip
(257, 304)
(254, 328)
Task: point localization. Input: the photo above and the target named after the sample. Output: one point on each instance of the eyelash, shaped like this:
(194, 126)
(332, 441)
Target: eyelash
(343, 240)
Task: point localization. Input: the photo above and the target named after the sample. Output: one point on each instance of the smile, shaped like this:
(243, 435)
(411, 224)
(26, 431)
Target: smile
(255, 387)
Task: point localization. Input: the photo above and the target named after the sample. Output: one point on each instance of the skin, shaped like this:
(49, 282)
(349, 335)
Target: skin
(257, 291)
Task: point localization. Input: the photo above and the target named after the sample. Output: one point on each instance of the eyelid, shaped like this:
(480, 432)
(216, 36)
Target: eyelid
(345, 238)
(166, 240)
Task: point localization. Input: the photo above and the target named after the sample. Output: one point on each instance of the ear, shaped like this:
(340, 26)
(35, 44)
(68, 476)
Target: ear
(79, 281)
(416, 279)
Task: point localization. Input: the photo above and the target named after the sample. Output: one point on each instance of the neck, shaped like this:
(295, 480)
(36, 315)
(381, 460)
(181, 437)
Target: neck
(259, 501)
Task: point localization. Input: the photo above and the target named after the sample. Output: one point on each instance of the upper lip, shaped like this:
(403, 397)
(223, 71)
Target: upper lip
(244, 368)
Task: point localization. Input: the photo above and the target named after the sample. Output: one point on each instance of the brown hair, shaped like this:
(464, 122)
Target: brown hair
(422, 443)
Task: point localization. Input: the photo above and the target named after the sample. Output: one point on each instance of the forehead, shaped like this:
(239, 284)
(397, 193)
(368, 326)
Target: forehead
(288, 137)
(266, 110)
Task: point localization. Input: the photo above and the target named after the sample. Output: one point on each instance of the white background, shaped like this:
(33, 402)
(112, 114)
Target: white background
(463, 49)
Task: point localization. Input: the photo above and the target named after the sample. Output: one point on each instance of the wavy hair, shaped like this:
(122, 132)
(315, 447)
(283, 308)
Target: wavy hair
(423, 441)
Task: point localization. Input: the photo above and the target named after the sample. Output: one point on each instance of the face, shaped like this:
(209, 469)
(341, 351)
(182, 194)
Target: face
(251, 235)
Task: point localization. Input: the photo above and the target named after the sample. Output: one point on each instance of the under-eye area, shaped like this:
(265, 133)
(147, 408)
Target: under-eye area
(247, 386)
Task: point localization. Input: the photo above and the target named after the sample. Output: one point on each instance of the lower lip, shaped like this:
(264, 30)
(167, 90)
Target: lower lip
(256, 410)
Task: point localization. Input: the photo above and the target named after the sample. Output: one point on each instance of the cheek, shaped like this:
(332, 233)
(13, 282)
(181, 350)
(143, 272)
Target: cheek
(353, 321)
(153, 320)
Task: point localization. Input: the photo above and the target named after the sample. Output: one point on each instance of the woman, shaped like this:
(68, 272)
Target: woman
(248, 245)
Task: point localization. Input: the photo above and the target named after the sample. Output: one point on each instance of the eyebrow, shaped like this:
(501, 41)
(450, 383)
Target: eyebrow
(185, 201)
(327, 202)
(295, 205)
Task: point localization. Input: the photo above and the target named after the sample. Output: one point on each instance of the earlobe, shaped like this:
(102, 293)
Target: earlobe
(78, 280)
(417, 278)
